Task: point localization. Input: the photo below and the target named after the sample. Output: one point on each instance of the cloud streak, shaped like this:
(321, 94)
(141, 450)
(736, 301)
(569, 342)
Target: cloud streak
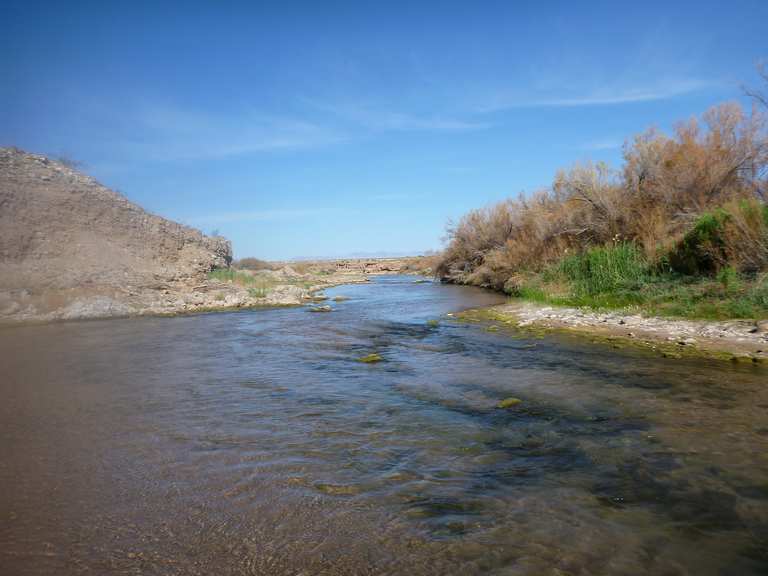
(604, 97)
(164, 133)
(377, 120)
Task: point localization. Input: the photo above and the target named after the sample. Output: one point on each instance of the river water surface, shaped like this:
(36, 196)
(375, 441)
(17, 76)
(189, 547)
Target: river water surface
(255, 442)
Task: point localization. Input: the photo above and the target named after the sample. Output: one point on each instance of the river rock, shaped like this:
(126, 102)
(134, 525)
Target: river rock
(509, 403)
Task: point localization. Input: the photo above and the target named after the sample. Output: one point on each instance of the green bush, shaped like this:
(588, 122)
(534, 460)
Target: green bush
(729, 278)
(702, 249)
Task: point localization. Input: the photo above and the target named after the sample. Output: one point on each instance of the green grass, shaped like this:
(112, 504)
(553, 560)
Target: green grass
(231, 275)
(728, 296)
(618, 277)
(258, 286)
(605, 269)
(258, 292)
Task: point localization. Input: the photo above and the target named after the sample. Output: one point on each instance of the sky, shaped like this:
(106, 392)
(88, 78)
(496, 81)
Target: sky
(330, 129)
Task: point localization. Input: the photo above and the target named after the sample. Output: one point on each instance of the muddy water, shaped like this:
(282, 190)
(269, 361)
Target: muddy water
(255, 443)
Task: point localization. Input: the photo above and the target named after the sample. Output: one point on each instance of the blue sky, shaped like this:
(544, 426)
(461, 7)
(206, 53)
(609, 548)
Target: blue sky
(322, 129)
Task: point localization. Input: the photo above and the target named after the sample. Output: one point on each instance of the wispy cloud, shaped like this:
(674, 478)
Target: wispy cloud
(602, 97)
(408, 123)
(165, 133)
(170, 133)
(377, 119)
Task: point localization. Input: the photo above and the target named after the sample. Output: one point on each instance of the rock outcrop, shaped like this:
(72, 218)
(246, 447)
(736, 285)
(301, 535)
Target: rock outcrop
(70, 247)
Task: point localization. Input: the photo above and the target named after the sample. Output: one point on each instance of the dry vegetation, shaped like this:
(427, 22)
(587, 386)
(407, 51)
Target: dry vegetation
(425, 264)
(252, 264)
(682, 209)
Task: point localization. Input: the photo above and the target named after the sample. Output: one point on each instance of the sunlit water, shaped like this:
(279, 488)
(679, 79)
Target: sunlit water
(255, 443)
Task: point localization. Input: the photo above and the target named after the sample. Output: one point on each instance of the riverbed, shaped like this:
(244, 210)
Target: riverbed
(256, 442)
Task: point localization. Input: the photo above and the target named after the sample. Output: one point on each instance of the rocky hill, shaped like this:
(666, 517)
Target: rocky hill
(70, 247)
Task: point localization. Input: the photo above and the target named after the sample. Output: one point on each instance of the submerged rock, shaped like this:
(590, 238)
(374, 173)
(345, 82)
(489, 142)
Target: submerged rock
(320, 309)
(337, 489)
(371, 358)
(509, 403)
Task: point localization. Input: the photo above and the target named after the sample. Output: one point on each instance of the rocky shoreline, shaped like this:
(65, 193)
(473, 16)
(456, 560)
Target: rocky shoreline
(735, 340)
(286, 288)
(173, 299)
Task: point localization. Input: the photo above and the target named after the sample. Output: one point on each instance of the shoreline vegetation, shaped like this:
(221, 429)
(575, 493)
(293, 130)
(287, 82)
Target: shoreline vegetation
(254, 283)
(676, 238)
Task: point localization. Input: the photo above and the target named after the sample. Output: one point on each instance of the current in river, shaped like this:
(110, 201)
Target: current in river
(256, 442)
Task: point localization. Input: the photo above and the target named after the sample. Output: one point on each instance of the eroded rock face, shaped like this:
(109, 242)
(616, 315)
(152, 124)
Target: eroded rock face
(70, 247)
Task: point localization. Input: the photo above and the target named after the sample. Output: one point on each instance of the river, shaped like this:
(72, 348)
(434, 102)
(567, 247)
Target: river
(255, 442)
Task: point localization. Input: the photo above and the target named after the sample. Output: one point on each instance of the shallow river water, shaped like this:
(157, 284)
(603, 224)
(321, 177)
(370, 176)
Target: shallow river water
(255, 442)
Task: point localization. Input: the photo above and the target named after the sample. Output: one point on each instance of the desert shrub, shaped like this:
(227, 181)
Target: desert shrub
(424, 264)
(303, 266)
(735, 235)
(702, 249)
(746, 236)
(69, 162)
(252, 264)
(691, 203)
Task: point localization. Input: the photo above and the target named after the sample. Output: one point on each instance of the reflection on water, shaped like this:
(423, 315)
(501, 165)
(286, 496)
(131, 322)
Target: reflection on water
(256, 443)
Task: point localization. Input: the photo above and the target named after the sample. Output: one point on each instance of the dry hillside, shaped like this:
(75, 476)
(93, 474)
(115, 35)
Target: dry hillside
(70, 247)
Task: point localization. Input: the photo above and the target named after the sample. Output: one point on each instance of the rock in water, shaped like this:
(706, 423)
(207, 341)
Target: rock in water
(371, 358)
(509, 403)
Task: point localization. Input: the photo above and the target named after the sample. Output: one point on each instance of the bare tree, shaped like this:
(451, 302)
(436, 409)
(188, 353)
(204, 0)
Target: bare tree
(760, 96)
